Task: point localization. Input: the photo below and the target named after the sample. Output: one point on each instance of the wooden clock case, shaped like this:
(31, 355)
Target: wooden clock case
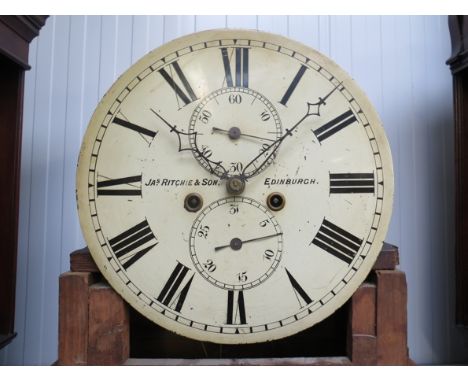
(16, 32)
(97, 327)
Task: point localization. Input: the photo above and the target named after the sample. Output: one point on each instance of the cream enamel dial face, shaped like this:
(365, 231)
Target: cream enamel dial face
(235, 186)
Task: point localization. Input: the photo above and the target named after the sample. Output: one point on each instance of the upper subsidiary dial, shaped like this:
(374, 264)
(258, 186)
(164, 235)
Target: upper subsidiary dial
(230, 127)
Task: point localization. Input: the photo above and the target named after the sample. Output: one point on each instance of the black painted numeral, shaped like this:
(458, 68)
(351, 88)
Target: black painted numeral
(134, 127)
(352, 183)
(129, 245)
(241, 67)
(184, 93)
(335, 125)
(301, 295)
(293, 85)
(236, 308)
(337, 242)
(173, 285)
(131, 186)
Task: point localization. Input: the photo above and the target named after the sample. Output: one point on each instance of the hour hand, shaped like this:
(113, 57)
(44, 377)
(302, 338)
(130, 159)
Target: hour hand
(193, 148)
(173, 129)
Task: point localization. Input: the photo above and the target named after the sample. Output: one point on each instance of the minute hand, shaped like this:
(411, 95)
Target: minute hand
(312, 109)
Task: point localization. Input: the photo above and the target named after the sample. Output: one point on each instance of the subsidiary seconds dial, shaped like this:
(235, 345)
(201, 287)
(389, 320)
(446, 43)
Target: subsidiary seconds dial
(236, 243)
(231, 124)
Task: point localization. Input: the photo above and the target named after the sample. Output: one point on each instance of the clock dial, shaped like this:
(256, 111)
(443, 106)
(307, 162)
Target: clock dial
(235, 186)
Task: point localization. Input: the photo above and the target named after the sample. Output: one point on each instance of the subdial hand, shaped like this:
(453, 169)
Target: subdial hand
(237, 243)
(235, 133)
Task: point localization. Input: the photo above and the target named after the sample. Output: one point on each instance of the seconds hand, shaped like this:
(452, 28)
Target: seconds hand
(217, 129)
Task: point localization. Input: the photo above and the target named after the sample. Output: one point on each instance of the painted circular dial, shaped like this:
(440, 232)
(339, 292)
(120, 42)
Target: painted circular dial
(236, 243)
(217, 108)
(223, 125)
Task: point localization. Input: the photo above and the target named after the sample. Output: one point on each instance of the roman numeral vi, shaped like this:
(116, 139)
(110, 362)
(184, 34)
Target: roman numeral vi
(236, 308)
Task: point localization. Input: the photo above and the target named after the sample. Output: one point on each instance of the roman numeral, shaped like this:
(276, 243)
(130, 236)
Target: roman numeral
(168, 294)
(335, 125)
(236, 308)
(131, 186)
(353, 183)
(293, 85)
(337, 242)
(241, 67)
(301, 295)
(183, 92)
(132, 126)
(129, 245)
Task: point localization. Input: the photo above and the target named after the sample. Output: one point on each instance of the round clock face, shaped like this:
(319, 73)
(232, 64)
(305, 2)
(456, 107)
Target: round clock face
(235, 186)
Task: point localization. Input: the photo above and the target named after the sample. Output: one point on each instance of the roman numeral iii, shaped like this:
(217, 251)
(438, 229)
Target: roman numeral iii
(183, 92)
(337, 242)
(169, 295)
(352, 183)
(132, 244)
(241, 72)
(129, 186)
(335, 125)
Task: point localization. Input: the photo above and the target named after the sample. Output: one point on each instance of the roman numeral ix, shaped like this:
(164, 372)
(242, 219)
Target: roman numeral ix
(337, 242)
(168, 294)
(353, 183)
(183, 92)
(335, 125)
(241, 67)
(129, 186)
(129, 246)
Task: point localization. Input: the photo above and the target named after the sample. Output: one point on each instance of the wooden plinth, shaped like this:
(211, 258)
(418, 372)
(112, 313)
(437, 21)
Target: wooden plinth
(95, 324)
